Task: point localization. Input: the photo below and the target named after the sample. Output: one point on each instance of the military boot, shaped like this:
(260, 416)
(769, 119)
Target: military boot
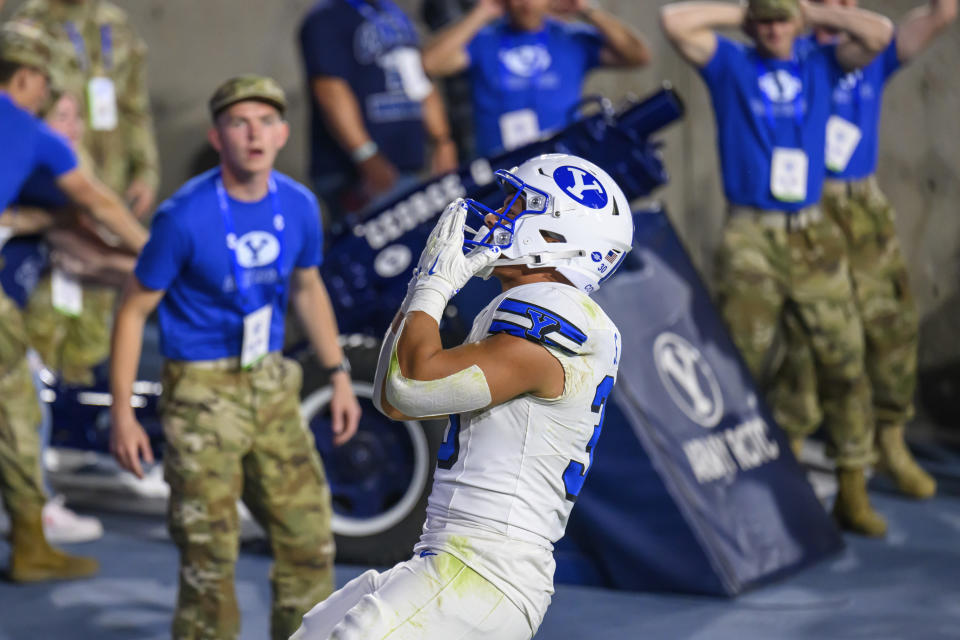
(852, 509)
(897, 462)
(32, 559)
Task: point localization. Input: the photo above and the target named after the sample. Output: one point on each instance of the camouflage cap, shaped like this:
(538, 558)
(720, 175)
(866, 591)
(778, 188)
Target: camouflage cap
(249, 87)
(772, 9)
(23, 42)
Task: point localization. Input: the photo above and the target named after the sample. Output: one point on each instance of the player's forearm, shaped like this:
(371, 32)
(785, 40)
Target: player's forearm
(125, 346)
(628, 47)
(418, 345)
(871, 30)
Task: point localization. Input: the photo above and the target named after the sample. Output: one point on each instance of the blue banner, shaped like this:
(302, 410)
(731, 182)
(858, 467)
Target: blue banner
(693, 487)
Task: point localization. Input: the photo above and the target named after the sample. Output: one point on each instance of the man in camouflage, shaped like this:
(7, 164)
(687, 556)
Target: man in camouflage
(30, 147)
(781, 260)
(852, 197)
(225, 254)
(98, 56)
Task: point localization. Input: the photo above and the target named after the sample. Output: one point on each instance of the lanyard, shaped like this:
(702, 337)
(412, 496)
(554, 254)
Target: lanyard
(386, 22)
(763, 67)
(855, 90)
(106, 45)
(512, 42)
(242, 287)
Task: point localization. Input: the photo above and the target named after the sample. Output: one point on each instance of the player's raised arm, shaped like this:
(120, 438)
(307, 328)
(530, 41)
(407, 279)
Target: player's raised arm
(420, 378)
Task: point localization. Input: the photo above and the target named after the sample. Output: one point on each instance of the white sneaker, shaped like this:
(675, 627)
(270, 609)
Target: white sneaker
(61, 525)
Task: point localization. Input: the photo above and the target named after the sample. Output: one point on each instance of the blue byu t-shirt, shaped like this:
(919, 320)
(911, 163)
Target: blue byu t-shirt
(337, 40)
(26, 145)
(858, 98)
(543, 71)
(756, 102)
(201, 315)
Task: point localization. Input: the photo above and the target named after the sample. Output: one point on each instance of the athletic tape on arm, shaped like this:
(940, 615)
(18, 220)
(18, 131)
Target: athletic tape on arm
(387, 348)
(465, 390)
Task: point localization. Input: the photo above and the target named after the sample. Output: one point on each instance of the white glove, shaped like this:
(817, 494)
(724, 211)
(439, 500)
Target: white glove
(443, 269)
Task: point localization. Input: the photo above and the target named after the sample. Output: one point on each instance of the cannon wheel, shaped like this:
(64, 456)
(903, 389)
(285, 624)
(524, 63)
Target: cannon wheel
(379, 480)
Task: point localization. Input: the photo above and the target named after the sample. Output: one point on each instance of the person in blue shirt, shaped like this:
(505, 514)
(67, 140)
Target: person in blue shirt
(29, 146)
(226, 253)
(852, 197)
(372, 107)
(780, 258)
(527, 68)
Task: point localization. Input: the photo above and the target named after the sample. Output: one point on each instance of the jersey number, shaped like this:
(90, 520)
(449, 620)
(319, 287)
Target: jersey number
(449, 449)
(576, 473)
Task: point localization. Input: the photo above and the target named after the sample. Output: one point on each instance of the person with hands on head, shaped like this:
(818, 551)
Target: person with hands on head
(226, 253)
(527, 68)
(30, 146)
(781, 262)
(371, 104)
(525, 395)
(853, 198)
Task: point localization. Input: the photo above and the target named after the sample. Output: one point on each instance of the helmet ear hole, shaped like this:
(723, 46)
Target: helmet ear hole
(550, 236)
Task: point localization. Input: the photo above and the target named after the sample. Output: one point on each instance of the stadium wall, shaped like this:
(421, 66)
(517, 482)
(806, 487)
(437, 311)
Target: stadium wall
(195, 45)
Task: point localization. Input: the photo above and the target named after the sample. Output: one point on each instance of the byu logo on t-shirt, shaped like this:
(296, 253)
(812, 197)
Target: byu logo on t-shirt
(581, 186)
(780, 85)
(526, 61)
(256, 249)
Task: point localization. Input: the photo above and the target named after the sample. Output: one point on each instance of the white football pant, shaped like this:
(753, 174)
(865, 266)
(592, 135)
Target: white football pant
(432, 596)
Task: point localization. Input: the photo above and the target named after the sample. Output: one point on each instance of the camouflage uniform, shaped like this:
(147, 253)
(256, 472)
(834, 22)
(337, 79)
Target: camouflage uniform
(120, 156)
(129, 152)
(771, 277)
(71, 345)
(21, 483)
(886, 306)
(234, 434)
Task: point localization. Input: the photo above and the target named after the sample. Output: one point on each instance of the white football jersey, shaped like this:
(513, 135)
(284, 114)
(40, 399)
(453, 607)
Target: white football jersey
(507, 477)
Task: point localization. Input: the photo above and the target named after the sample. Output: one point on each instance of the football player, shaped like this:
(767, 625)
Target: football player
(525, 395)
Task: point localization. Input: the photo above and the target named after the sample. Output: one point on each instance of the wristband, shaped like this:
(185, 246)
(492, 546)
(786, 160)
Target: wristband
(364, 152)
(343, 365)
(430, 300)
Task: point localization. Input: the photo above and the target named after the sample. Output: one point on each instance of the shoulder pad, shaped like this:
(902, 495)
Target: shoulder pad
(560, 327)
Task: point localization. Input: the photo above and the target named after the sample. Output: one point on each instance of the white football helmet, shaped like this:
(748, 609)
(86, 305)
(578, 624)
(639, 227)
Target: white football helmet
(575, 219)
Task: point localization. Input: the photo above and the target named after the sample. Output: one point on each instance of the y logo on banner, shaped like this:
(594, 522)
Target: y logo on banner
(689, 379)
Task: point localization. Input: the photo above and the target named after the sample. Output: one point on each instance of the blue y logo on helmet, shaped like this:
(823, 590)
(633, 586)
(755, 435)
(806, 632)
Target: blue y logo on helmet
(581, 186)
